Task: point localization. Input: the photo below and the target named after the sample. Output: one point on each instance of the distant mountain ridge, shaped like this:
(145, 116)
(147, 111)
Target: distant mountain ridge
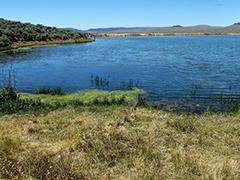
(73, 30)
(234, 28)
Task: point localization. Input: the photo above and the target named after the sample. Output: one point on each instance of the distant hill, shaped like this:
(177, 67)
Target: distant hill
(13, 33)
(235, 28)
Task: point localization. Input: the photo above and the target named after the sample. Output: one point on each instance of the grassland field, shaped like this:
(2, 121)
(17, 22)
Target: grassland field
(114, 141)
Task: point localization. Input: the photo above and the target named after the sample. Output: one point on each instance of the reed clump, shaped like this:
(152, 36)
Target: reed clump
(10, 101)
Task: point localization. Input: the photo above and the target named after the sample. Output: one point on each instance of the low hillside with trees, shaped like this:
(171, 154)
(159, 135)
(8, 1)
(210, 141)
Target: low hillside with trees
(13, 32)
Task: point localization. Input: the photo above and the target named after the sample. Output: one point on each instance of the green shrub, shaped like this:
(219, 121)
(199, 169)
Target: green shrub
(8, 94)
(4, 41)
(10, 102)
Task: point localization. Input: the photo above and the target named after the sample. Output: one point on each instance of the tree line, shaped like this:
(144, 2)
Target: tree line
(13, 32)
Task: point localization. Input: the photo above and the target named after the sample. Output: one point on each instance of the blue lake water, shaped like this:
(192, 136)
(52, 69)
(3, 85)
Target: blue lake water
(166, 67)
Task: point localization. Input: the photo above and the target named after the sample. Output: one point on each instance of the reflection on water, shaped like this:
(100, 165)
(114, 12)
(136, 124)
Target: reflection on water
(8, 77)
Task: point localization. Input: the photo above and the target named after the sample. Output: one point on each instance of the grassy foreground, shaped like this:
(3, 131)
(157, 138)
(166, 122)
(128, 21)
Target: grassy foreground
(117, 142)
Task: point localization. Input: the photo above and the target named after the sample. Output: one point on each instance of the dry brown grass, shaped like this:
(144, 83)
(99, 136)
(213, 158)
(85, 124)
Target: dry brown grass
(119, 143)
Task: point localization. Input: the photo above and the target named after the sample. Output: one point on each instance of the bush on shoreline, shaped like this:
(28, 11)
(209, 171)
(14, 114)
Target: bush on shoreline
(12, 32)
(10, 102)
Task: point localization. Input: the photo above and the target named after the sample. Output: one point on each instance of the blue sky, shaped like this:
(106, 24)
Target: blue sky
(84, 14)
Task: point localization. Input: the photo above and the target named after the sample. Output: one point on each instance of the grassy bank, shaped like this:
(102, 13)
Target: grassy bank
(119, 142)
(13, 102)
(96, 140)
(30, 45)
(86, 96)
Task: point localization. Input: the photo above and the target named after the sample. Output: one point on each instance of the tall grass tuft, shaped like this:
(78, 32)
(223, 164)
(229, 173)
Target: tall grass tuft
(54, 92)
(10, 101)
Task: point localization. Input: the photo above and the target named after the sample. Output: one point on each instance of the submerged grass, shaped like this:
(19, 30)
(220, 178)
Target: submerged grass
(118, 142)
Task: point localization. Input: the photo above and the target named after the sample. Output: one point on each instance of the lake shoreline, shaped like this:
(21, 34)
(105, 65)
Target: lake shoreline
(194, 68)
(30, 45)
(162, 34)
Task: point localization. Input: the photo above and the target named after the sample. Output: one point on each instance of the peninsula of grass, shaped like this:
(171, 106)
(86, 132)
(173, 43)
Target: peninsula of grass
(87, 97)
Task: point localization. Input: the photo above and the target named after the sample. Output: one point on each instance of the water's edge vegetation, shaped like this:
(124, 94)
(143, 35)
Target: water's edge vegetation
(26, 46)
(47, 99)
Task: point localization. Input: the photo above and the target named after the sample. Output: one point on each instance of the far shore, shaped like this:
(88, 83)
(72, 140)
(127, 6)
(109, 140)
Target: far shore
(160, 34)
(34, 44)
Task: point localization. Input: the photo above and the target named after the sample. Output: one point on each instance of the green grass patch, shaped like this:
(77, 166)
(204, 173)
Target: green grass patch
(12, 102)
(87, 97)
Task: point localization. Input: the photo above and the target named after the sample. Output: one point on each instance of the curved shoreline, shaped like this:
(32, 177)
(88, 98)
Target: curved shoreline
(30, 45)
